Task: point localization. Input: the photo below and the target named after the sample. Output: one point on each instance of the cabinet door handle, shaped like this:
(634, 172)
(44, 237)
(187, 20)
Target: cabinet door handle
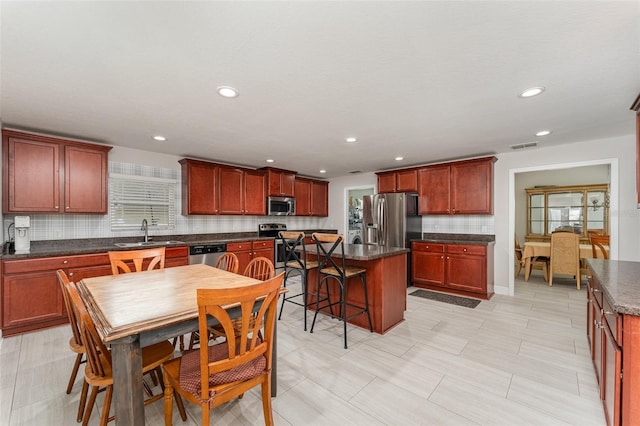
(57, 207)
(65, 261)
(609, 313)
(67, 208)
(70, 274)
(598, 324)
(596, 290)
(464, 249)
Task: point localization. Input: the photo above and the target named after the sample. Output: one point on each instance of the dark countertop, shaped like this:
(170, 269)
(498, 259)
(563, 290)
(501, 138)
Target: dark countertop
(50, 248)
(363, 251)
(476, 239)
(620, 283)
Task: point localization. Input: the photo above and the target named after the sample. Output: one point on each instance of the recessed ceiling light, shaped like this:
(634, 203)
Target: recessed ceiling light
(351, 140)
(160, 138)
(269, 160)
(399, 158)
(532, 91)
(227, 92)
(323, 171)
(543, 133)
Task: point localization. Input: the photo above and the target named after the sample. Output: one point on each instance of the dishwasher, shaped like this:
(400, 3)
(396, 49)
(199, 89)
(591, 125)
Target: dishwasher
(207, 254)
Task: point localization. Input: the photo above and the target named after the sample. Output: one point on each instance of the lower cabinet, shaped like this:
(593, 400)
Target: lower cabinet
(464, 269)
(31, 294)
(614, 340)
(249, 250)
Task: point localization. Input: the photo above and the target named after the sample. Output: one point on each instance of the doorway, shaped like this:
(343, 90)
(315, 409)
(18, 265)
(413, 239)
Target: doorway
(518, 178)
(353, 202)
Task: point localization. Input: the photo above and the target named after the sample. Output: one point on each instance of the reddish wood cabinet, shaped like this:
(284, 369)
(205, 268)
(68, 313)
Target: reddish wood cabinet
(199, 187)
(465, 269)
(464, 187)
(280, 183)
(31, 293)
(42, 174)
(398, 181)
(312, 197)
(249, 250)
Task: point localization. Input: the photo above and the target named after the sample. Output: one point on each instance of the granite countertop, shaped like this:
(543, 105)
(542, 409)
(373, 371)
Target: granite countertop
(620, 283)
(72, 247)
(363, 251)
(476, 239)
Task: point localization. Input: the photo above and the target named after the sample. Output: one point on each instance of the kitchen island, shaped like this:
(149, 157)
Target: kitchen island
(386, 283)
(613, 330)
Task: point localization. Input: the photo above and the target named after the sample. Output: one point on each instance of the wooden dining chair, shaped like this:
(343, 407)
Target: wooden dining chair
(565, 256)
(75, 343)
(142, 260)
(98, 370)
(259, 268)
(541, 261)
(228, 262)
(598, 243)
(216, 374)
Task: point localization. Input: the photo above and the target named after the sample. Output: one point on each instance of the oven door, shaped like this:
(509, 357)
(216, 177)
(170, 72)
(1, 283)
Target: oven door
(280, 254)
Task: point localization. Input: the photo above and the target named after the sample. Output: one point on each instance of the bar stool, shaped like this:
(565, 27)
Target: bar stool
(296, 263)
(329, 269)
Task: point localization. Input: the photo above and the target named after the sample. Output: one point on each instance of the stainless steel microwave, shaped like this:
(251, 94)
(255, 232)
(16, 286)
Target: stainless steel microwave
(281, 206)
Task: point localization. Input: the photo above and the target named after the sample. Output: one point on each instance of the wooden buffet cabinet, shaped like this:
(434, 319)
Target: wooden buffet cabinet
(465, 269)
(31, 293)
(613, 332)
(42, 174)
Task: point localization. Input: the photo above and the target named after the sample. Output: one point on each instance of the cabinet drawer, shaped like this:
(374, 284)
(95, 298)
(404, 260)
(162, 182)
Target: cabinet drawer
(613, 319)
(263, 244)
(53, 263)
(466, 249)
(596, 291)
(428, 247)
(245, 245)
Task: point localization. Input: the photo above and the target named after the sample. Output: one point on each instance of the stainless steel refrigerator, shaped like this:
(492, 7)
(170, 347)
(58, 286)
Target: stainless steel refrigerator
(392, 220)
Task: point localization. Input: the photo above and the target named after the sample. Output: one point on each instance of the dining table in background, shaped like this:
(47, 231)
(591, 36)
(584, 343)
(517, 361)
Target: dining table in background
(135, 310)
(533, 249)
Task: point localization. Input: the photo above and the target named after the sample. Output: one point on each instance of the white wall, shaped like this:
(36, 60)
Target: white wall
(623, 212)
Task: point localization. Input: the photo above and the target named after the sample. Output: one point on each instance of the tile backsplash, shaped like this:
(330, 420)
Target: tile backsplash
(481, 224)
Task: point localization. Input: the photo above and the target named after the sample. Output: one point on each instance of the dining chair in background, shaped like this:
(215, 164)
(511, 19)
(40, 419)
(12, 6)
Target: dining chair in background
(228, 262)
(142, 260)
(98, 370)
(216, 374)
(75, 343)
(332, 270)
(565, 256)
(542, 261)
(296, 263)
(598, 243)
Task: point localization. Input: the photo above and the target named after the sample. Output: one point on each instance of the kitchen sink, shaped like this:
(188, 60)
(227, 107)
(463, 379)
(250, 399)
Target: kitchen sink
(149, 243)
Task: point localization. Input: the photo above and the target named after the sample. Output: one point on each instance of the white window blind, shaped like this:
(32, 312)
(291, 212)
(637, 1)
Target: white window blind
(134, 198)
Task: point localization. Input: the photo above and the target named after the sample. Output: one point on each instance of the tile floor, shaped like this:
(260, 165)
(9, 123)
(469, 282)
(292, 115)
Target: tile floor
(519, 360)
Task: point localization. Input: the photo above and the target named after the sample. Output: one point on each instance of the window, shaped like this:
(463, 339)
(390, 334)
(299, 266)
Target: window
(578, 209)
(134, 198)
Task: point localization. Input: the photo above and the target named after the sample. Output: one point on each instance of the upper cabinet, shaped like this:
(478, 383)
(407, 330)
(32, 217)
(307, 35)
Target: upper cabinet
(199, 187)
(463, 187)
(42, 174)
(398, 181)
(280, 183)
(312, 197)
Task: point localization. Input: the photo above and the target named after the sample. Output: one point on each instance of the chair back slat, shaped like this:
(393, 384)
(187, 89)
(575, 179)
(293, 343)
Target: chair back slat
(71, 313)
(228, 262)
(598, 243)
(250, 343)
(260, 268)
(98, 355)
(142, 260)
(565, 253)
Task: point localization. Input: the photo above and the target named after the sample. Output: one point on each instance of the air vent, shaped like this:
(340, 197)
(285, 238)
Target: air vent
(524, 145)
(355, 172)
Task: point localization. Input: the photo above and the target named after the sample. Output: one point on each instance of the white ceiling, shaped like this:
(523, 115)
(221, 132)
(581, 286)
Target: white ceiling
(429, 81)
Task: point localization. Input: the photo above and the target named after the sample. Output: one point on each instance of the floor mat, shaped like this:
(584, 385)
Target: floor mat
(447, 298)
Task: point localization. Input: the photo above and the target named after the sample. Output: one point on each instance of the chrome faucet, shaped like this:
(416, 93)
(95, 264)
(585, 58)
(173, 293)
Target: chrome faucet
(145, 228)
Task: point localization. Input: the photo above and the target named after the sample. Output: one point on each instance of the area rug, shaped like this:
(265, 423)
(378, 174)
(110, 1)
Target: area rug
(447, 298)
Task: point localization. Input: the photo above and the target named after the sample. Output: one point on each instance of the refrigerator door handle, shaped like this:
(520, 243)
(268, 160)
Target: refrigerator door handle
(382, 221)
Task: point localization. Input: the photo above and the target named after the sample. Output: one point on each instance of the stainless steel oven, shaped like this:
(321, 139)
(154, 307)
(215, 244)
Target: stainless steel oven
(272, 230)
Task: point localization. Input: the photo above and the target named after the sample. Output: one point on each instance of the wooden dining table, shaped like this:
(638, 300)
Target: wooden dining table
(533, 249)
(135, 310)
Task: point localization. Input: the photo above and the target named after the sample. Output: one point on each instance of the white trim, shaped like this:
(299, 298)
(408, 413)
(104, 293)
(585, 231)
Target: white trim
(614, 205)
